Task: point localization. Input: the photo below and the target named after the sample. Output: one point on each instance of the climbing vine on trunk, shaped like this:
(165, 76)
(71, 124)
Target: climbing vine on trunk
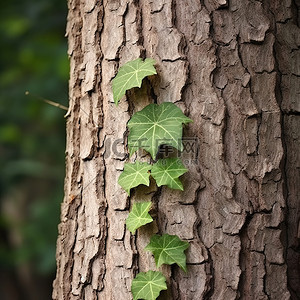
(153, 126)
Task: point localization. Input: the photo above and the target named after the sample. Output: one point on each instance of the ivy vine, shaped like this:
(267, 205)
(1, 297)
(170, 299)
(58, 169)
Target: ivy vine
(153, 126)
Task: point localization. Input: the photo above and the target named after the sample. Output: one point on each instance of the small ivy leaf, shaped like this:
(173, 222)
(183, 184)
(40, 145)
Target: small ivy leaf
(138, 216)
(134, 174)
(168, 249)
(156, 125)
(131, 75)
(166, 172)
(148, 285)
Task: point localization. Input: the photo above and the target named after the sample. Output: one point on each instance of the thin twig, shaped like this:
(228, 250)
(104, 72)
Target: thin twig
(47, 101)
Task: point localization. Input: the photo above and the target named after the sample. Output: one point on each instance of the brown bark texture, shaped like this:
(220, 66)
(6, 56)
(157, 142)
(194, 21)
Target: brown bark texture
(233, 66)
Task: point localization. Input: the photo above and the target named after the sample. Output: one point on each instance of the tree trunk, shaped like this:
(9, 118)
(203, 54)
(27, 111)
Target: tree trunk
(234, 68)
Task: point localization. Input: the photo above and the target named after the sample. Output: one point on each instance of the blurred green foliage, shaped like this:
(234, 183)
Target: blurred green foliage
(32, 133)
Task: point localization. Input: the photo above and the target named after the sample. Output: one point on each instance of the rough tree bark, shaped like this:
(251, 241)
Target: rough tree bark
(233, 66)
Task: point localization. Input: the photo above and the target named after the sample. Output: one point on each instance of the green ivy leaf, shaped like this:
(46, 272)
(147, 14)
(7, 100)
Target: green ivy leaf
(138, 216)
(156, 125)
(166, 172)
(148, 285)
(131, 75)
(168, 249)
(134, 174)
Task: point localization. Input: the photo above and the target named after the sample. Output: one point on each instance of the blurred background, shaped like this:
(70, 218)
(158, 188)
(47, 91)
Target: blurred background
(32, 144)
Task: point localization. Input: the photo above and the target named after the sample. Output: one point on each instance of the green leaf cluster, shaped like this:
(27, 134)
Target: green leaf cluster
(165, 171)
(153, 126)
